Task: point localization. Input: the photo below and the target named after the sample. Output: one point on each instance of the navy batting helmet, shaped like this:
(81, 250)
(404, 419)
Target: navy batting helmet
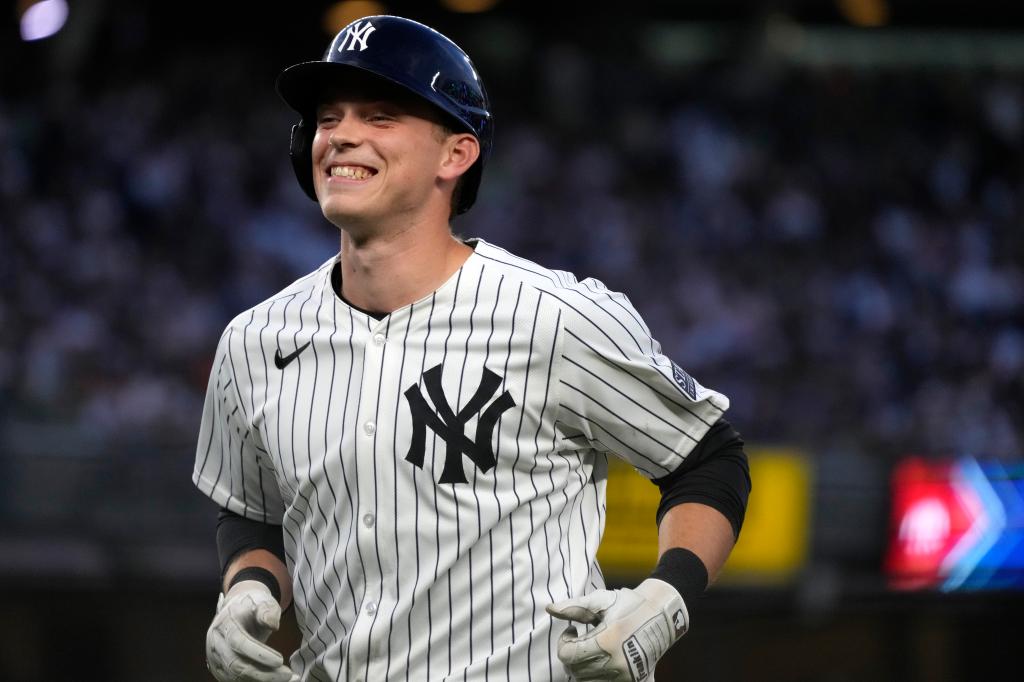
(408, 54)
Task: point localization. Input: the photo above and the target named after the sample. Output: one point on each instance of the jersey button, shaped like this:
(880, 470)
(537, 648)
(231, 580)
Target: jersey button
(368, 520)
(371, 608)
(370, 428)
(379, 339)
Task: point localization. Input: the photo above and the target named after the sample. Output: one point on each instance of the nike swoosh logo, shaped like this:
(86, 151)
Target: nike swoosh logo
(282, 361)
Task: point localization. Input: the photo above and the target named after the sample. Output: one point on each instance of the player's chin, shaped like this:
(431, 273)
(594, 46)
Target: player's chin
(343, 210)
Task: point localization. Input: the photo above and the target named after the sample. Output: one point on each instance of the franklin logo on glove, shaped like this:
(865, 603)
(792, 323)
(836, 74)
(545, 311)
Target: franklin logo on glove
(636, 658)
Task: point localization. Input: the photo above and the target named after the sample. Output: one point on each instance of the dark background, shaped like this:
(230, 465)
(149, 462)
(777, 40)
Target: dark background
(818, 218)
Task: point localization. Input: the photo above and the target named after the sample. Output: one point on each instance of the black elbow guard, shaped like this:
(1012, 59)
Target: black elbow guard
(715, 473)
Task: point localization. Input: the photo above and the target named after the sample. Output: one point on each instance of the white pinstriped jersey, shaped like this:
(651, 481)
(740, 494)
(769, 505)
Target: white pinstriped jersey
(440, 473)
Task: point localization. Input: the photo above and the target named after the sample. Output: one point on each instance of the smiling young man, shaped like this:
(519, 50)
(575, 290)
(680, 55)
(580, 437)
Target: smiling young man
(410, 443)
(388, 164)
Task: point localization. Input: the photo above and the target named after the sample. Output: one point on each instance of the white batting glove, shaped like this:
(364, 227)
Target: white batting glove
(235, 649)
(634, 628)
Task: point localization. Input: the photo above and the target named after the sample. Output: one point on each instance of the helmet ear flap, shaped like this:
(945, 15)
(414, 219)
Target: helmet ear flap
(300, 151)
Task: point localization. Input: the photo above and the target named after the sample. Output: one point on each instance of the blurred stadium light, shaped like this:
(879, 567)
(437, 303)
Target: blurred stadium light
(469, 6)
(43, 19)
(865, 13)
(341, 14)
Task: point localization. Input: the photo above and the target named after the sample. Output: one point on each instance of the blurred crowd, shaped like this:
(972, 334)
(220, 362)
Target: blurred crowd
(839, 251)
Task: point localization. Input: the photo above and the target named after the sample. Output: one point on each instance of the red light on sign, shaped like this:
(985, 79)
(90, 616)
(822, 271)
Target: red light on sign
(929, 517)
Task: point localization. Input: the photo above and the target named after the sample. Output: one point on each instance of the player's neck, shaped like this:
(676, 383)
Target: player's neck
(388, 273)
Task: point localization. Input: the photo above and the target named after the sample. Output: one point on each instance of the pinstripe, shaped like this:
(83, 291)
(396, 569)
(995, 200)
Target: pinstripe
(266, 385)
(437, 557)
(344, 479)
(580, 365)
(616, 390)
(641, 381)
(576, 512)
(444, 359)
(376, 511)
(355, 463)
(309, 464)
(617, 451)
(515, 489)
(394, 461)
(416, 491)
(614, 417)
(280, 395)
(568, 305)
(618, 320)
(315, 631)
(616, 300)
(252, 407)
(536, 442)
(479, 521)
(227, 445)
(327, 475)
(497, 453)
(309, 566)
(241, 459)
(209, 445)
(231, 382)
(529, 505)
(303, 625)
(229, 448)
(298, 490)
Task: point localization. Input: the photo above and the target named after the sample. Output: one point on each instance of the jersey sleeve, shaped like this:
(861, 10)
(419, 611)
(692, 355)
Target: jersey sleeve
(620, 394)
(231, 467)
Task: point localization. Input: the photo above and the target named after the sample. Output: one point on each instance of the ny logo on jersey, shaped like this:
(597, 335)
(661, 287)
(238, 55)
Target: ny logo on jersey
(356, 34)
(450, 426)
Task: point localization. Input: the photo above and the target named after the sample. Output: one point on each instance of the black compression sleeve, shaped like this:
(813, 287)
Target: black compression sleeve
(683, 570)
(237, 534)
(715, 473)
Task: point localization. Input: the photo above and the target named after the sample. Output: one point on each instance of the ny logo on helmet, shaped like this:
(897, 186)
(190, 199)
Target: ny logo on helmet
(451, 427)
(356, 34)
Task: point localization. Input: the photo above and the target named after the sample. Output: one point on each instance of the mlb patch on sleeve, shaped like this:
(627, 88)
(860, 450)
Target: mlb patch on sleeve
(684, 381)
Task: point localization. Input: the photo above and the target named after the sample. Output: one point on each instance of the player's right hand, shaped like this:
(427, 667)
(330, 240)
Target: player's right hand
(235, 649)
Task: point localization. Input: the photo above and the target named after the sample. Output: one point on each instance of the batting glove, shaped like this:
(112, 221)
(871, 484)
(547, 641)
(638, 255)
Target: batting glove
(633, 629)
(235, 649)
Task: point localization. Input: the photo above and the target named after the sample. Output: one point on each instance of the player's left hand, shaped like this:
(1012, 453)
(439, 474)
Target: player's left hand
(633, 629)
(235, 649)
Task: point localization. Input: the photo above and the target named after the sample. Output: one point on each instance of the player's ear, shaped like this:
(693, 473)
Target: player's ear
(461, 150)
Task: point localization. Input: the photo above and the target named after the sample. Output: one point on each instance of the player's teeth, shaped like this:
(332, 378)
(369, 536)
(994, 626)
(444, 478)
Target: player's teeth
(350, 172)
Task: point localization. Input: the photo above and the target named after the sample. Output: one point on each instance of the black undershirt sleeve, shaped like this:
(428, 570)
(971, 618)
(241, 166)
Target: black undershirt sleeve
(715, 473)
(237, 534)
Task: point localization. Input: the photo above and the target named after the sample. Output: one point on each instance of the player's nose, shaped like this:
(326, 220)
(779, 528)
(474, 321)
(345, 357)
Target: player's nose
(346, 133)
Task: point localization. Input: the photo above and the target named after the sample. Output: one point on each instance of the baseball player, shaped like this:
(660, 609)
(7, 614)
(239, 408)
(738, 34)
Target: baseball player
(410, 443)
